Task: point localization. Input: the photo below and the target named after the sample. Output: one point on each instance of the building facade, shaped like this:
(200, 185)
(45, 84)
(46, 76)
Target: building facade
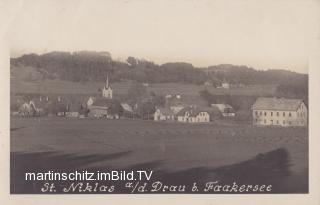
(279, 112)
(163, 114)
(193, 115)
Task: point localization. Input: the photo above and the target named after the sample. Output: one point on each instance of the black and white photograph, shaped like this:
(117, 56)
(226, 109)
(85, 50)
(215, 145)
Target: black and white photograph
(160, 97)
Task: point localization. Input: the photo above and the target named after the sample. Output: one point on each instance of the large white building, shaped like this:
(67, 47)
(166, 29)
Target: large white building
(279, 112)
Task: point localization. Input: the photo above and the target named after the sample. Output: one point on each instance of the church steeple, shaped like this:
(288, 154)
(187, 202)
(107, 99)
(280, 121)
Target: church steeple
(107, 81)
(107, 90)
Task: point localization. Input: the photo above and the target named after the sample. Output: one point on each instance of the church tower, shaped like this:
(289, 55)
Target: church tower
(107, 90)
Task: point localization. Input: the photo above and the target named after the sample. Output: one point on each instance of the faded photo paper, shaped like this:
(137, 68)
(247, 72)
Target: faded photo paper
(161, 97)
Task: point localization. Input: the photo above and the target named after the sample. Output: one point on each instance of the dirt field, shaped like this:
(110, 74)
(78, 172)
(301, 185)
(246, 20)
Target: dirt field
(196, 152)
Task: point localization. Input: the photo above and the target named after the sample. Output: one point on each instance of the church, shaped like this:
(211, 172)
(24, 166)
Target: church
(107, 90)
(100, 106)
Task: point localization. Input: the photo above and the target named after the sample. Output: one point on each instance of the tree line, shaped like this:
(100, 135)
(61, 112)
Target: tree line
(85, 66)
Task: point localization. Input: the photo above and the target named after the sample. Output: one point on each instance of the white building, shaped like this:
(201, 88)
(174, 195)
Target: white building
(163, 114)
(279, 112)
(225, 85)
(193, 115)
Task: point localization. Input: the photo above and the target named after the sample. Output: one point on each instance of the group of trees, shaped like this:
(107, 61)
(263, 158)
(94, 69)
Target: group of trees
(144, 103)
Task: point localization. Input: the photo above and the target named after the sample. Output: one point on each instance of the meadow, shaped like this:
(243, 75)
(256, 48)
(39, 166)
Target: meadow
(178, 152)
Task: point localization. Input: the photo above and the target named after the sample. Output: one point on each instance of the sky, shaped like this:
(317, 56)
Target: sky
(263, 34)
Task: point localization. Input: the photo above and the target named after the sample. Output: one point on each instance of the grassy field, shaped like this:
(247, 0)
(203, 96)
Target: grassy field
(121, 88)
(174, 149)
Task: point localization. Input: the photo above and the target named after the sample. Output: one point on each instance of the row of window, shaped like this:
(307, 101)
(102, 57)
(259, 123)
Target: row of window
(272, 113)
(278, 123)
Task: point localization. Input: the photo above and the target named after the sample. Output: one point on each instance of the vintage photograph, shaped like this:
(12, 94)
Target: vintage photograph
(160, 97)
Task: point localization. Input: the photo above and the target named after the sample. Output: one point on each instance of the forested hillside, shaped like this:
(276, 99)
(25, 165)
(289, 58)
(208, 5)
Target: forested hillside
(86, 66)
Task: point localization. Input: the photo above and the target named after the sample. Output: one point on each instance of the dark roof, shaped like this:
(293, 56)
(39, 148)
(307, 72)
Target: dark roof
(103, 102)
(165, 111)
(39, 103)
(263, 103)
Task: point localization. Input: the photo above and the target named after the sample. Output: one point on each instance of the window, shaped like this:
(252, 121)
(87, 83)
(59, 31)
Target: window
(289, 114)
(260, 113)
(271, 121)
(289, 122)
(256, 113)
(277, 114)
(284, 114)
(265, 121)
(271, 113)
(265, 113)
(277, 122)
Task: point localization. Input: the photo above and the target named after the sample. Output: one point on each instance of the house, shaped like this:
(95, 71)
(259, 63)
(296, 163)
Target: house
(163, 114)
(35, 107)
(73, 110)
(225, 109)
(279, 112)
(225, 85)
(99, 107)
(193, 114)
(126, 107)
(25, 110)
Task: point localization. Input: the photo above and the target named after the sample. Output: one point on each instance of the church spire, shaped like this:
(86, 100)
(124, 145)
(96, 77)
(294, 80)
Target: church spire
(107, 81)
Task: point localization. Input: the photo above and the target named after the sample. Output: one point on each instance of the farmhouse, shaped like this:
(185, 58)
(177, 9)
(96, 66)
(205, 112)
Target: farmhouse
(163, 114)
(99, 108)
(225, 109)
(280, 112)
(193, 114)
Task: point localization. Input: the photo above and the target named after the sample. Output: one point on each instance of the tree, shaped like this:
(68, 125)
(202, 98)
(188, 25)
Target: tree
(132, 61)
(146, 110)
(115, 109)
(136, 93)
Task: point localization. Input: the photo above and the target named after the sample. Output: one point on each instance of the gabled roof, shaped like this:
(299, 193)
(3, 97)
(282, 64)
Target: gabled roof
(103, 102)
(165, 111)
(264, 103)
(194, 111)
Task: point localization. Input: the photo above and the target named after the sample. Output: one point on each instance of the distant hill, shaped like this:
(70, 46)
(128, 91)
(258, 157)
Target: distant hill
(89, 66)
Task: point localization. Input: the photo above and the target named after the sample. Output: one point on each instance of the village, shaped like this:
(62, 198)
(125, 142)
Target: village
(266, 111)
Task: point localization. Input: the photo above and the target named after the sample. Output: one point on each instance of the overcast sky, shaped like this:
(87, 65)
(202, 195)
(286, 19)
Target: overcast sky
(263, 34)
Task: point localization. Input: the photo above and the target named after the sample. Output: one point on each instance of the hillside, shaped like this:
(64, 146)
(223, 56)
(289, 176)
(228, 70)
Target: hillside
(85, 72)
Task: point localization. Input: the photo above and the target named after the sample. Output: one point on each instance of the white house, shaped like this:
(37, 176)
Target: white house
(279, 112)
(193, 115)
(163, 114)
(225, 85)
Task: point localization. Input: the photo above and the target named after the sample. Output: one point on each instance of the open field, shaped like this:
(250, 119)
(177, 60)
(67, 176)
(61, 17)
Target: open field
(178, 152)
(121, 88)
